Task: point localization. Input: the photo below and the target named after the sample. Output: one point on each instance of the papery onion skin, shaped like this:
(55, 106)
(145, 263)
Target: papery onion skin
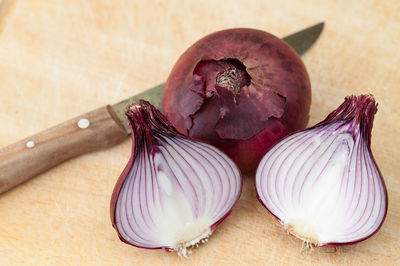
(270, 97)
(149, 128)
(357, 112)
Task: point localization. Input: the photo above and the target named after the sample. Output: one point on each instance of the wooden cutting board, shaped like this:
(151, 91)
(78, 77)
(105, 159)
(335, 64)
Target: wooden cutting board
(59, 59)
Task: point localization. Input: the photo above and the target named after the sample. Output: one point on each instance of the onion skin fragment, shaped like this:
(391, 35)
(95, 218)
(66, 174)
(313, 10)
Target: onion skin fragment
(148, 193)
(327, 169)
(241, 90)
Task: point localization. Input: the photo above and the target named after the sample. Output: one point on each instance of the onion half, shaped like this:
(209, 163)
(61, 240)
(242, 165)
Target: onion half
(322, 183)
(174, 191)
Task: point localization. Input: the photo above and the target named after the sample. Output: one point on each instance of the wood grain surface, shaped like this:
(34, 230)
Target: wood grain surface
(59, 59)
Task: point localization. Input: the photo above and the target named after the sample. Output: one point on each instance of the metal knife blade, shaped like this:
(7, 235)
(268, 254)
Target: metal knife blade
(300, 41)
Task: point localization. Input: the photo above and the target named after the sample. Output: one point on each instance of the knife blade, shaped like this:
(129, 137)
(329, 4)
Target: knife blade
(95, 130)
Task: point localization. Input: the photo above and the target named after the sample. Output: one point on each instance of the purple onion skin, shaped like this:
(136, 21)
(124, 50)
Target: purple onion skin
(361, 110)
(145, 123)
(268, 98)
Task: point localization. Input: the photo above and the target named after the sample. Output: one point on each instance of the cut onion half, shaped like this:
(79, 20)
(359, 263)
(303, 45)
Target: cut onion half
(174, 191)
(322, 183)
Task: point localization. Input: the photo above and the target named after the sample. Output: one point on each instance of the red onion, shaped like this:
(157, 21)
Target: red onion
(241, 90)
(174, 191)
(322, 183)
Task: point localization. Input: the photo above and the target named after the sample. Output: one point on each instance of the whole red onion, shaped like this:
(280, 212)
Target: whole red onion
(241, 90)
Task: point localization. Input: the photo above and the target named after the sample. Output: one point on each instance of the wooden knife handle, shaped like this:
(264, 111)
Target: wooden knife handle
(29, 157)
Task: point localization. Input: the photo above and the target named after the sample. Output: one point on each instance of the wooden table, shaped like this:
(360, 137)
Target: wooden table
(59, 59)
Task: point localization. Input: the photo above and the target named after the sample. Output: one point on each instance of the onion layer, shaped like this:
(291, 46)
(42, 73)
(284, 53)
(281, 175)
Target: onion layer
(174, 191)
(322, 183)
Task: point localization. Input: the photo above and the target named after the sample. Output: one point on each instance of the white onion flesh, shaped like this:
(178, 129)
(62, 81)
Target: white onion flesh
(323, 185)
(174, 193)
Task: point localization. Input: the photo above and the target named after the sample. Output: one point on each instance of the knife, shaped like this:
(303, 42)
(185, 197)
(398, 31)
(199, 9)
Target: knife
(95, 130)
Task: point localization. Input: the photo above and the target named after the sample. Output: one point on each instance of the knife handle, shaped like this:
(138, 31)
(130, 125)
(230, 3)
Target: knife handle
(29, 157)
